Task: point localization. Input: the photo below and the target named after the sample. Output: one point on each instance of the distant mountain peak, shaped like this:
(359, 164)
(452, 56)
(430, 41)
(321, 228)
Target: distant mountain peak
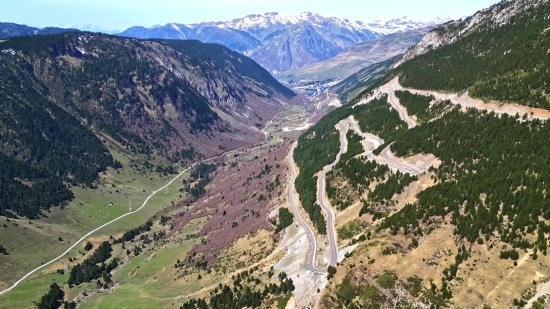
(280, 42)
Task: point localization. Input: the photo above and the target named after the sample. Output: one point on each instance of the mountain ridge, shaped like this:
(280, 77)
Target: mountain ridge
(174, 100)
(282, 42)
(8, 30)
(357, 57)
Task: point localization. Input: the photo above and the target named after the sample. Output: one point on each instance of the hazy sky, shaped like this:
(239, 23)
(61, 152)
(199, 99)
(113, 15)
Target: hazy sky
(120, 14)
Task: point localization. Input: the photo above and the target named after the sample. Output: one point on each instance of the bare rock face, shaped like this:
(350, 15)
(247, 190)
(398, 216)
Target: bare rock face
(283, 42)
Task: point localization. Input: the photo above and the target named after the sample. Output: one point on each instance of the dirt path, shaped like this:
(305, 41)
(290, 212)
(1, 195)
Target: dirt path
(76, 243)
(520, 262)
(130, 213)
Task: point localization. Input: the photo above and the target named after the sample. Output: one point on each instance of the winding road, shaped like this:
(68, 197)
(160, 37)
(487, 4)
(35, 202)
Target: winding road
(392, 99)
(402, 167)
(332, 253)
(322, 200)
(384, 158)
(310, 263)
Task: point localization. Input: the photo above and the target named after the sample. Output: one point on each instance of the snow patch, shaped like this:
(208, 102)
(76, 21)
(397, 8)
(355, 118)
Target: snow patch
(273, 20)
(9, 52)
(81, 50)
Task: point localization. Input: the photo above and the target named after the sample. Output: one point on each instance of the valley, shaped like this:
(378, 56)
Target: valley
(408, 166)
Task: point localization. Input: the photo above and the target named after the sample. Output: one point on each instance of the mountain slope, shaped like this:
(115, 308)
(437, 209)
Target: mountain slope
(500, 53)
(282, 42)
(350, 87)
(84, 91)
(8, 30)
(357, 57)
(471, 231)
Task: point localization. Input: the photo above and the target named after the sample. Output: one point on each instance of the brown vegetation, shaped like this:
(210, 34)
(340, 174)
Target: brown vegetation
(238, 201)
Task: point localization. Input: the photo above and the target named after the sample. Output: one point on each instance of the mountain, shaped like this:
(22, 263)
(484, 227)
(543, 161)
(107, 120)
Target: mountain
(349, 88)
(406, 23)
(68, 97)
(500, 53)
(282, 42)
(96, 28)
(357, 57)
(10, 30)
(462, 220)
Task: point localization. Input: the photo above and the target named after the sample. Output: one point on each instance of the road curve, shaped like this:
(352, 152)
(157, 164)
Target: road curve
(310, 263)
(321, 182)
(127, 214)
(400, 109)
(399, 165)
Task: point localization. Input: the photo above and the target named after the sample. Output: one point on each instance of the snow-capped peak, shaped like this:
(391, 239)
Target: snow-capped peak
(273, 19)
(268, 20)
(405, 23)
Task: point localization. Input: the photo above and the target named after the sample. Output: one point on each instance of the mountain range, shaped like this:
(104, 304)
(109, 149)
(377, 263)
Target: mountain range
(283, 42)
(472, 230)
(10, 30)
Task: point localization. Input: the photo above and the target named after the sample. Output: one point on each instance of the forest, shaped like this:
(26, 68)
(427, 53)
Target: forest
(379, 118)
(54, 299)
(508, 63)
(319, 145)
(421, 106)
(242, 295)
(89, 269)
(42, 146)
(493, 167)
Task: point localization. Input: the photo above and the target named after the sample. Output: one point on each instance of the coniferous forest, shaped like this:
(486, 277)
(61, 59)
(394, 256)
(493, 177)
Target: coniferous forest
(493, 167)
(42, 146)
(64, 104)
(509, 62)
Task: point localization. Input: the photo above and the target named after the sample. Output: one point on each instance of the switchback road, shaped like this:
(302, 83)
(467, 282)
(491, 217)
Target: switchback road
(392, 99)
(310, 263)
(323, 201)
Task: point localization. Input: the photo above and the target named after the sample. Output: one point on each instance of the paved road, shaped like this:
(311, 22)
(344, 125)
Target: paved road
(399, 165)
(371, 138)
(400, 109)
(390, 160)
(310, 263)
(332, 253)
